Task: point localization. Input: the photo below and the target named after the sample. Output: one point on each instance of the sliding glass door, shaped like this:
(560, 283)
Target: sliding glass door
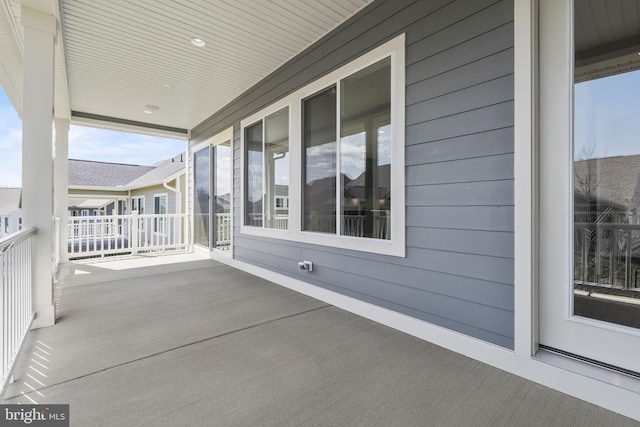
(212, 177)
(202, 186)
(590, 183)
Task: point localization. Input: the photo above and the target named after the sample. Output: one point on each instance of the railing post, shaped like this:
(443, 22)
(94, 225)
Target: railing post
(627, 263)
(134, 233)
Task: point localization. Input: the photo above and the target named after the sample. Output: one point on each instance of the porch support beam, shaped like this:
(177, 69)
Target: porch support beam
(61, 183)
(37, 165)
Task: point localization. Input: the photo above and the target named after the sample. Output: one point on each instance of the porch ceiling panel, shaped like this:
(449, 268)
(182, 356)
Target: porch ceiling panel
(122, 56)
(607, 37)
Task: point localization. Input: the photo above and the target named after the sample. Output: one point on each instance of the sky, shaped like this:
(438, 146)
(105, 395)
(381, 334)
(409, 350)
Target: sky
(85, 143)
(606, 116)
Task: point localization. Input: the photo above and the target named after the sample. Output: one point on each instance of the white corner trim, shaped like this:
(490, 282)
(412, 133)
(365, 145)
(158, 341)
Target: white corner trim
(525, 176)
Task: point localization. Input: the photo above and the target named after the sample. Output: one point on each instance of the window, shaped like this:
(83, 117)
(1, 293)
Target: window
(362, 155)
(329, 159)
(160, 208)
(137, 204)
(266, 156)
(202, 185)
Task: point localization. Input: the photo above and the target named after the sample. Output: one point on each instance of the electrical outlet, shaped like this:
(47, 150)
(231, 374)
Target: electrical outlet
(305, 266)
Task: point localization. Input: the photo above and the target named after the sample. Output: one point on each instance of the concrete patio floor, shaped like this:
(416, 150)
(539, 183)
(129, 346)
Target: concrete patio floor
(186, 341)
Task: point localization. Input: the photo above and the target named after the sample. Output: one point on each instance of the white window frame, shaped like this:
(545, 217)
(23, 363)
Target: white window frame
(160, 224)
(261, 118)
(141, 202)
(394, 49)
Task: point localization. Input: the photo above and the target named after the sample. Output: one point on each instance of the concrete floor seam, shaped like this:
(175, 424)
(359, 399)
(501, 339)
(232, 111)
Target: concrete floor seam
(159, 353)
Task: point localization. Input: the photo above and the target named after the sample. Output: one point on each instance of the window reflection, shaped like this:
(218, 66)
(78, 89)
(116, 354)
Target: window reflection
(222, 195)
(254, 168)
(606, 194)
(201, 203)
(276, 148)
(319, 166)
(365, 152)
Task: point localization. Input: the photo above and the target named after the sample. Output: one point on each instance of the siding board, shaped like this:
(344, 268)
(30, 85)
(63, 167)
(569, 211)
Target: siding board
(474, 49)
(497, 65)
(494, 142)
(490, 92)
(475, 121)
(481, 218)
(463, 241)
(489, 168)
(458, 269)
(493, 15)
(487, 193)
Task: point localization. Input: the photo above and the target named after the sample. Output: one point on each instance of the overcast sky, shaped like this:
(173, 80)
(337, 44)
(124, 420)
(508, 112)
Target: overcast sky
(85, 143)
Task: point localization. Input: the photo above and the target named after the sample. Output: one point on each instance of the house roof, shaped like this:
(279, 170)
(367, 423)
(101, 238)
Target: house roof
(611, 180)
(120, 176)
(88, 173)
(88, 203)
(9, 200)
(161, 171)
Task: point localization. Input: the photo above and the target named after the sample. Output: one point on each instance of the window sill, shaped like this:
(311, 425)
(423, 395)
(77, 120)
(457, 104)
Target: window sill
(362, 244)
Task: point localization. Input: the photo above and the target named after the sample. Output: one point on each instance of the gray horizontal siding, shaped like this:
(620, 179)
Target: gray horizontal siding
(458, 269)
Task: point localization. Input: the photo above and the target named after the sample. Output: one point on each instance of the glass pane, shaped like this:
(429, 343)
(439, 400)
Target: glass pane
(253, 181)
(222, 195)
(201, 180)
(606, 183)
(365, 152)
(319, 163)
(276, 147)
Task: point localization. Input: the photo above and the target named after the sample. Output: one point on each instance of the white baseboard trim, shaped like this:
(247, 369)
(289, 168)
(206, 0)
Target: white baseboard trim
(567, 381)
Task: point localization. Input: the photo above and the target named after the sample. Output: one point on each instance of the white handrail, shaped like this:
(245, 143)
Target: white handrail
(16, 296)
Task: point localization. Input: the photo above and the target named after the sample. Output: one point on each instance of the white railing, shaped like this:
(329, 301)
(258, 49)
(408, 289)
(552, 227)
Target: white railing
(280, 222)
(56, 244)
(16, 301)
(223, 229)
(607, 258)
(90, 236)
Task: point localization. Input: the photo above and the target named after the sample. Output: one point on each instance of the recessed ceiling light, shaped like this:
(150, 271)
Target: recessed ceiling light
(148, 111)
(197, 42)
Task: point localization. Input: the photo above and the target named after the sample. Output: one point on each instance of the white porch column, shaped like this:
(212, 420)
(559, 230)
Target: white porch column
(61, 183)
(37, 164)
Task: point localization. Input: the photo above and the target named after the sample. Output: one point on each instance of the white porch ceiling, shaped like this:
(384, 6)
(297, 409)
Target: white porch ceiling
(607, 37)
(119, 56)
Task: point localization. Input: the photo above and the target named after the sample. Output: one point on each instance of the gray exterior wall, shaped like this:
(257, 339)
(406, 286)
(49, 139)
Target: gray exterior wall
(458, 271)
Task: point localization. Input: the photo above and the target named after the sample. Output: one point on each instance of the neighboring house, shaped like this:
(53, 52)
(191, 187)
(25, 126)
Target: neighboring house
(608, 189)
(101, 188)
(10, 213)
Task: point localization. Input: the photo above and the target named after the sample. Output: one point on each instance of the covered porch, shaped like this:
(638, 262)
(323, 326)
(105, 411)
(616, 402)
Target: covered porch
(184, 340)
